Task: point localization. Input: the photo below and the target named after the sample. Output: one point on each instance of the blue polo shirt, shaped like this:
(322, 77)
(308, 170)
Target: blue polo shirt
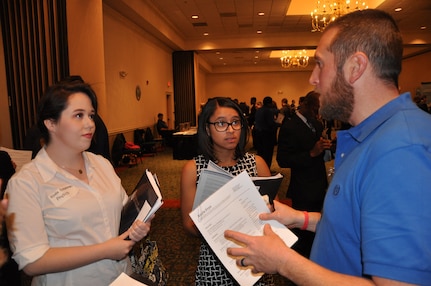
(376, 216)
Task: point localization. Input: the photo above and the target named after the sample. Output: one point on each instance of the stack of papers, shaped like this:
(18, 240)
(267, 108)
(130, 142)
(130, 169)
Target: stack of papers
(214, 177)
(235, 205)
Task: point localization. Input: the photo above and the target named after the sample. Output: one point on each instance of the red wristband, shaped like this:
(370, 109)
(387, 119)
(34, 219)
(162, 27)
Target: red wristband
(306, 219)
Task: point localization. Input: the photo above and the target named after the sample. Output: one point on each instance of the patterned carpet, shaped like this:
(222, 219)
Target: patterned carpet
(178, 250)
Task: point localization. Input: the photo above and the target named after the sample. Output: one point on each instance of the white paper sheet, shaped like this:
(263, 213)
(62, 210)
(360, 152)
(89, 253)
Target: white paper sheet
(235, 206)
(126, 280)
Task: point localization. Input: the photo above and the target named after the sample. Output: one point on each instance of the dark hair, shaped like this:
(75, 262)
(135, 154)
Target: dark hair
(267, 100)
(55, 100)
(374, 33)
(205, 141)
(311, 99)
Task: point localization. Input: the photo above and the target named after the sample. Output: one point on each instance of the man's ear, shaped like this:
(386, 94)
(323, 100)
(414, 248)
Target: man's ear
(356, 66)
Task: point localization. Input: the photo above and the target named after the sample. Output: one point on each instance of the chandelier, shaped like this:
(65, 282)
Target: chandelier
(327, 11)
(295, 59)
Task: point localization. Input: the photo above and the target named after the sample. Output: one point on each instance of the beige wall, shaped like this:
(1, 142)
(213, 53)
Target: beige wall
(147, 64)
(86, 51)
(415, 70)
(243, 86)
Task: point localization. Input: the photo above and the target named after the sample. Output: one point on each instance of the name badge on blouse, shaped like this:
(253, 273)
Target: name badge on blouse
(62, 195)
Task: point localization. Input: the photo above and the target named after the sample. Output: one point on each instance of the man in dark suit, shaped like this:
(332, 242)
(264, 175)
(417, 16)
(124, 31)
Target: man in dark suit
(301, 148)
(265, 129)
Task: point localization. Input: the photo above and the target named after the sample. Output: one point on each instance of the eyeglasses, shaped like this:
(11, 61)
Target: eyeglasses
(222, 126)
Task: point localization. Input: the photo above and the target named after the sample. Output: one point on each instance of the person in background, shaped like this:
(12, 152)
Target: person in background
(301, 148)
(252, 111)
(245, 109)
(251, 118)
(9, 273)
(301, 100)
(266, 130)
(371, 230)
(66, 203)
(161, 124)
(222, 137)
(33, 140)
(285, 109)
(292, 105)
(163, 130)
(100, 143)
(421, 102)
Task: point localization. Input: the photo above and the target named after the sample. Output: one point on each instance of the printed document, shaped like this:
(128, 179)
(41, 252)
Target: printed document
(236, 206)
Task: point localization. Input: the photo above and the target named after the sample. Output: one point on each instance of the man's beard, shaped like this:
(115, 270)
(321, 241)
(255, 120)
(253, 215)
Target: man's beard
(338, 102)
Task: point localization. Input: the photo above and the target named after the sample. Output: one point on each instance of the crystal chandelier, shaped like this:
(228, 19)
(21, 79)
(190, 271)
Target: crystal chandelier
(327, 11)
(295, 59)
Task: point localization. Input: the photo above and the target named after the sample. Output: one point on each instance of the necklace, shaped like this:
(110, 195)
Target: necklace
(76, 170)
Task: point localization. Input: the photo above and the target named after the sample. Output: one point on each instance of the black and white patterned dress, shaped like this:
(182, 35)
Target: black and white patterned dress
(210, 270)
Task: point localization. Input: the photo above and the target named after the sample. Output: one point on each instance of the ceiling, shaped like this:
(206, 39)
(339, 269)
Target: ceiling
(232, 25)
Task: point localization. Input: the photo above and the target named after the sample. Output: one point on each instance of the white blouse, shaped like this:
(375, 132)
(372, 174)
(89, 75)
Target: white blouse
(52, 208)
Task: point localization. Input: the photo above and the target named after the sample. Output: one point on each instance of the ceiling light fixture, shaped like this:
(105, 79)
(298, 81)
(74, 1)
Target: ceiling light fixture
(327, 11)
(294, 59)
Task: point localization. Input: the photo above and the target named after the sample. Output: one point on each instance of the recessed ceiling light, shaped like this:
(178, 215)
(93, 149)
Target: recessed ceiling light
(220, 58)
(423, 27)
(259, 32)
(206, 34)
(256, 57)
(398, 9)
(195, 17)
(217, 53)
(261, 14)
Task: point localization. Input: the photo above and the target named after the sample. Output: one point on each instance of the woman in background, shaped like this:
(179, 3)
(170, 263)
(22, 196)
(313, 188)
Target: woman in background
(66, 203)
(222, 137)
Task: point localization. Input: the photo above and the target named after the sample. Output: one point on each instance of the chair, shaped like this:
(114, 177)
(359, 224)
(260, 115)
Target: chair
(124, 152)
(165, 136)
(144, 139)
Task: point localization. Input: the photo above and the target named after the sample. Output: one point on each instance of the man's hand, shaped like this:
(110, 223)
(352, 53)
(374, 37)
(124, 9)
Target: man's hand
(263, 253)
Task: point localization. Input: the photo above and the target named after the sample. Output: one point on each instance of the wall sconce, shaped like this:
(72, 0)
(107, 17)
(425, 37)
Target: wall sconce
(123, 74)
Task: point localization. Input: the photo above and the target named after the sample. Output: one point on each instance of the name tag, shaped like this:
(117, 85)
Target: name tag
(62, 195)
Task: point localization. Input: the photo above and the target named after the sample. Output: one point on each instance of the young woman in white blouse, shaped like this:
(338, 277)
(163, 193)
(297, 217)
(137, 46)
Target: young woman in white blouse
(66, 204)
